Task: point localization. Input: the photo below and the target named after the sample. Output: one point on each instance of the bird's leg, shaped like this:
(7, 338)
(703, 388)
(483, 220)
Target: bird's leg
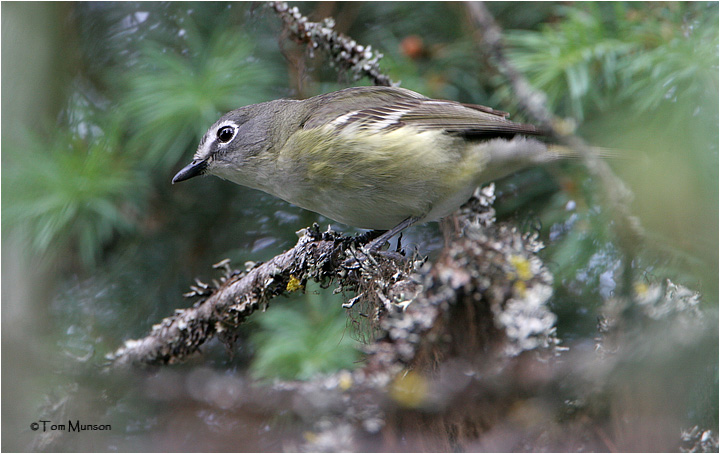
(375, 244)
(368, 236)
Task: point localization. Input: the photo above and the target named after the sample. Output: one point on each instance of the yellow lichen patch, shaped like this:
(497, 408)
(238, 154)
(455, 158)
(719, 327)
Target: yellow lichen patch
(522, 267)
(520, 288)
(345, 381)
(641, 289)
(409, 389)
(293, 284)
(310, 437)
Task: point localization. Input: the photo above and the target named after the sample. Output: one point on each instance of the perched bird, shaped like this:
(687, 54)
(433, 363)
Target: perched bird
(370, 157)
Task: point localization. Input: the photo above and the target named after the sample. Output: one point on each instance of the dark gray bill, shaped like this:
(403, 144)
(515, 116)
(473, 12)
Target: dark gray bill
(193, 169)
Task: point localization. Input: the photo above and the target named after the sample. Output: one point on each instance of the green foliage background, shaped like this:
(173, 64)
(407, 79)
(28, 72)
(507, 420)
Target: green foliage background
(107, 100)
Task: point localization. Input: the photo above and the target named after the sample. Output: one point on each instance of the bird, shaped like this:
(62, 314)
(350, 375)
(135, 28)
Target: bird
(380, 158)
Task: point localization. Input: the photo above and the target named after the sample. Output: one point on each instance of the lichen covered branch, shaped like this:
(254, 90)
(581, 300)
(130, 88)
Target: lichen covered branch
(238, 294)
(343, 51)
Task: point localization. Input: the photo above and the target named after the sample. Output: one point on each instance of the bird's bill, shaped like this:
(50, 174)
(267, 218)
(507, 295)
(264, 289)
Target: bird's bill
(193, 169)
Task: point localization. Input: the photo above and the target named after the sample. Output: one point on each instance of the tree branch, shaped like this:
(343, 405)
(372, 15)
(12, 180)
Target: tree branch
(532, 101)
(344, 52)
(226, 304)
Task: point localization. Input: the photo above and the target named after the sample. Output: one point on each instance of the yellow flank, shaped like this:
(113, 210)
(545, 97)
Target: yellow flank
(396, 174)
(353, 157)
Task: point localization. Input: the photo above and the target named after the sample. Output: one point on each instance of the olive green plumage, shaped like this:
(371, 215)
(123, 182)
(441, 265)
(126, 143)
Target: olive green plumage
(369, 157)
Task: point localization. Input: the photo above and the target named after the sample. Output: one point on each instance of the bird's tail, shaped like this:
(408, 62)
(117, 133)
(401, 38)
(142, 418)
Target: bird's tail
(565, 152)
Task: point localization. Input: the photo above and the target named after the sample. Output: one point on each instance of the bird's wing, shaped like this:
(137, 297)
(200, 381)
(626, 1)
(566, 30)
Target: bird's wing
(387, 109)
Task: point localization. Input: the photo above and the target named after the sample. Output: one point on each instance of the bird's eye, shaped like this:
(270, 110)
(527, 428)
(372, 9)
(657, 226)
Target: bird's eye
(225, 134)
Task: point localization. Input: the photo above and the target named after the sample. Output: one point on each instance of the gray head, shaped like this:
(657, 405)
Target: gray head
(232, 143)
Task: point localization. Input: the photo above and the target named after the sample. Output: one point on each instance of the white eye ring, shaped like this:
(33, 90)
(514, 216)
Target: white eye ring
(225, 134)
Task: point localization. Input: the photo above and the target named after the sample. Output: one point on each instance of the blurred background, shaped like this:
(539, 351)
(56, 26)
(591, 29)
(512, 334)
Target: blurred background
(103, 102)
